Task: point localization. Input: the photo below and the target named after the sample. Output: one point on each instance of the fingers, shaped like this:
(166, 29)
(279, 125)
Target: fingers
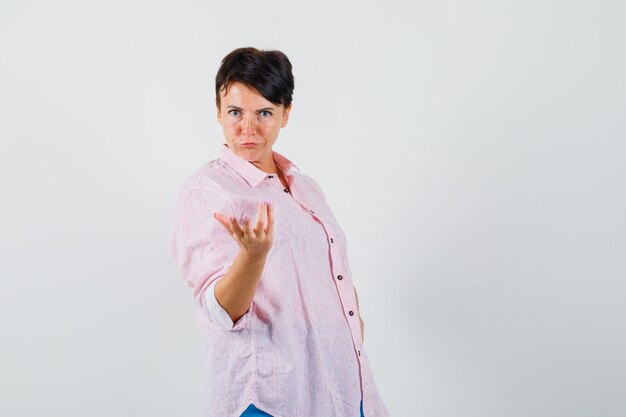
(230, 224)
(264, 224)
(224, 221)
(269, 228)
(261, 216)
(247, 223)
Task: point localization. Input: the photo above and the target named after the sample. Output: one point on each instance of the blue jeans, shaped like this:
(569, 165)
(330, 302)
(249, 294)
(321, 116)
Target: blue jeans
(252, 411)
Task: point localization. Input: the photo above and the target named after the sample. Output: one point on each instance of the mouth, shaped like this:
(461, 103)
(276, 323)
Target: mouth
(249, 144)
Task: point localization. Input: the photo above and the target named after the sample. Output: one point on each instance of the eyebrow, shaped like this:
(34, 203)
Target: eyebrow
(239, 108)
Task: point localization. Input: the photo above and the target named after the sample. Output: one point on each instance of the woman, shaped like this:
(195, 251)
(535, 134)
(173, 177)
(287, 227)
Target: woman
(267, 261)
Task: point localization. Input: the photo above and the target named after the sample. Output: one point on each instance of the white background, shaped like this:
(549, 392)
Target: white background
(473, 152)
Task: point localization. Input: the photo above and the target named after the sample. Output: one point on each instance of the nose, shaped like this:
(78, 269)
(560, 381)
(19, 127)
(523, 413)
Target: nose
(248, 126)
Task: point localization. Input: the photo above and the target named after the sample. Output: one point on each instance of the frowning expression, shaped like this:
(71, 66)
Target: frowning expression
(251, 123)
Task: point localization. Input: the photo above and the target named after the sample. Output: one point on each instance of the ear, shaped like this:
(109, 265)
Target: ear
(286, 115)
(219, 113)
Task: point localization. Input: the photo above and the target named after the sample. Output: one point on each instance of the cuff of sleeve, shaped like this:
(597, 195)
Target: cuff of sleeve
(217, 313)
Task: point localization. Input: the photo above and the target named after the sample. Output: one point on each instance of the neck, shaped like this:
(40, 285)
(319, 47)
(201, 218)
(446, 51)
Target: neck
(270, 167)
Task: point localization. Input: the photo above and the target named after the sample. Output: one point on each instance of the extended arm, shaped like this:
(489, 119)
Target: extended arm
(235, 291)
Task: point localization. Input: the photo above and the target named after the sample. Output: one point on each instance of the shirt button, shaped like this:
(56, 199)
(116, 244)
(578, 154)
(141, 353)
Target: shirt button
(331, 240)
(286, 190)
(270, 176)
(359, 353)
(312, 211)
(351, 312)
(339, 277)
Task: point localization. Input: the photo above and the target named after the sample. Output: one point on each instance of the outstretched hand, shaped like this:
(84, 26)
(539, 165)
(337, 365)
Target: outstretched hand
(255, 240)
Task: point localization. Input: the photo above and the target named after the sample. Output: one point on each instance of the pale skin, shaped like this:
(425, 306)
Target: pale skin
(248, 117)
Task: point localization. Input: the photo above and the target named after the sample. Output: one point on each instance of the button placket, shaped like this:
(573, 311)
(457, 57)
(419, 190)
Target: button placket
(339, 277)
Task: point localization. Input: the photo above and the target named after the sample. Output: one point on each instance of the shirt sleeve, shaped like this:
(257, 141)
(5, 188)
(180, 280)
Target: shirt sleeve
(217, 313)
(202, 248)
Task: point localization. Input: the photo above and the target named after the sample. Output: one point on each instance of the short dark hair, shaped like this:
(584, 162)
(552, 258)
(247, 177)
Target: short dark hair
(266, 71)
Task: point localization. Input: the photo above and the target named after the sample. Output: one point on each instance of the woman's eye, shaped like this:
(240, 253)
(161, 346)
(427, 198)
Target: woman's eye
(266, 113)
(236, 111)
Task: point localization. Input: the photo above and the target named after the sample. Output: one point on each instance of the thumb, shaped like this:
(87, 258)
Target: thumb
(222, 219)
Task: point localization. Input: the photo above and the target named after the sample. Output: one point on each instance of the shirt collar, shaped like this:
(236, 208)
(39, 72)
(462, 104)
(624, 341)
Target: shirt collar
(249, 171)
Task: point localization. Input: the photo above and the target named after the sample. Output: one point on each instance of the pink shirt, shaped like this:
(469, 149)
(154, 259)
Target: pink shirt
(298, 350)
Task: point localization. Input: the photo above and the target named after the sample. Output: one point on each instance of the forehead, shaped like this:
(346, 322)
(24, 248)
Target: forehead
(239, 93)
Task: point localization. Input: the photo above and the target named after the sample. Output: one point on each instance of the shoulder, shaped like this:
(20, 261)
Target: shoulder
(210, 176)
(206, 188)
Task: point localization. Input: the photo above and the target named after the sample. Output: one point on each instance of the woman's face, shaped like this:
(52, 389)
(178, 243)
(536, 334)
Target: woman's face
(251, 123)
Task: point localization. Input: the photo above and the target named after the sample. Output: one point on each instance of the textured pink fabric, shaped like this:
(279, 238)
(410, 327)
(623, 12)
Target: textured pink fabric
(297, 352)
